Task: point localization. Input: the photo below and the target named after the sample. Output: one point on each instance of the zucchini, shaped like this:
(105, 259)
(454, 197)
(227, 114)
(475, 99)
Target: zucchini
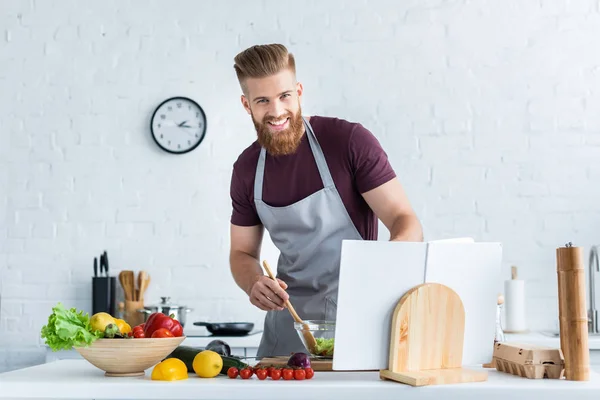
(188, 353)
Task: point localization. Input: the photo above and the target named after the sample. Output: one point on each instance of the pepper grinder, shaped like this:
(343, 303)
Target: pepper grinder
(572, 313)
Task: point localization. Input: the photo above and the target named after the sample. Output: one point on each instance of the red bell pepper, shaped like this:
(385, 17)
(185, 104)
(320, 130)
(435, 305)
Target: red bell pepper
(159, 320)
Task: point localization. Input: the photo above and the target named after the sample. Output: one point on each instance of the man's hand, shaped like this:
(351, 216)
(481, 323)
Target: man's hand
(268, 295)
(263, 292)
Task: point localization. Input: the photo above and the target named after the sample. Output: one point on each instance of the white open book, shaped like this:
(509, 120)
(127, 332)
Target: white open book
(375, 274)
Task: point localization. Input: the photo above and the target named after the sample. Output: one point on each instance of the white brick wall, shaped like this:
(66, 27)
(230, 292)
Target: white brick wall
(489, 112)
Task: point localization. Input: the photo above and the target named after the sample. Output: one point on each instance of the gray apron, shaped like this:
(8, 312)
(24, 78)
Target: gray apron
(309, 236)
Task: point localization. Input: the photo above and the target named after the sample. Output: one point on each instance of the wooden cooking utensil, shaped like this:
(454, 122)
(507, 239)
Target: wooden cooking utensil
(143, 281)
(308, 336)
(127, 282)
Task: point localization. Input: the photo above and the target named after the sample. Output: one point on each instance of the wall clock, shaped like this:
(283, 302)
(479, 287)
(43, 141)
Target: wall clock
(178, 125)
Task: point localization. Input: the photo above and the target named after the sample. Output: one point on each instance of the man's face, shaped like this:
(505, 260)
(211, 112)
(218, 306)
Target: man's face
(274, 104)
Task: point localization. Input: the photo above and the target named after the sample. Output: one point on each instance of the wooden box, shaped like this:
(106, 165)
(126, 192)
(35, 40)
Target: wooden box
(529, 361)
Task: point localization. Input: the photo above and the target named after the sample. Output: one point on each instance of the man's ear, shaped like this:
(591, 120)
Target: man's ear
(299, 90)
(245, 104)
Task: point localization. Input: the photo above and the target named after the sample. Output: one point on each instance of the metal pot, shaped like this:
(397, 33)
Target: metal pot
(167, 308)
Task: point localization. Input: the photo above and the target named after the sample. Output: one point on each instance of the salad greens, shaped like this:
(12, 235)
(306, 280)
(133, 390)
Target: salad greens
(324, 347)
(67, 328)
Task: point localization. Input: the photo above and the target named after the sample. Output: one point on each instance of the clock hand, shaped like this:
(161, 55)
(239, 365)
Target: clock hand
(181, 124)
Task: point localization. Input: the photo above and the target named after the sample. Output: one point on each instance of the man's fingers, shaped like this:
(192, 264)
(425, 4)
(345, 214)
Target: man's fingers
(276, 288)
(267, 303)
(282, 283)
(272, 296)
(270, 303)
(257, 303)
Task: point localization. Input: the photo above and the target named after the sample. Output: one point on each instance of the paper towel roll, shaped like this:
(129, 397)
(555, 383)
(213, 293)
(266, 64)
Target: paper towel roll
(514, 306)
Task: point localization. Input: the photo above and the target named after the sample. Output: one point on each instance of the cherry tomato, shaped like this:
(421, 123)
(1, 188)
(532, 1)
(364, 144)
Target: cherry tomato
(270, 371)
(233, 372)
(288, 374)
(261, 374)
(299, 374)
(162, 333)
(138, 331)
(276, 374)
(246, 373)
(309, 372)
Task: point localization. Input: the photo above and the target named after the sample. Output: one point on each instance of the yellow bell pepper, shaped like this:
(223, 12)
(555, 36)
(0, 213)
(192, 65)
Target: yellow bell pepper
(171, 369)
(123, 326)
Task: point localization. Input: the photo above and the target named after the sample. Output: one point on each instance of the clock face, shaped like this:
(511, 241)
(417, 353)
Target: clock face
(178, 125)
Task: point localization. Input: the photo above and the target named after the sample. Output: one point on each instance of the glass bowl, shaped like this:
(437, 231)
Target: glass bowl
(323, 332)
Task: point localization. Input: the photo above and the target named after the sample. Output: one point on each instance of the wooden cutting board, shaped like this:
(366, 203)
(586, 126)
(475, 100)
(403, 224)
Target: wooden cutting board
(317, 365)
(427, 336)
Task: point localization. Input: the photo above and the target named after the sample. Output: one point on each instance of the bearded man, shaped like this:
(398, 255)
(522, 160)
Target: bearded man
(311, 182)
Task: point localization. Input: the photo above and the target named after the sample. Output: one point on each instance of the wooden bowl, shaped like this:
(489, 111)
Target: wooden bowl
(128, 357)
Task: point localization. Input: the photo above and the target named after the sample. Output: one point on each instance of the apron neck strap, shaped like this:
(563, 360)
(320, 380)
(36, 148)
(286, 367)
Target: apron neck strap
(317, 154)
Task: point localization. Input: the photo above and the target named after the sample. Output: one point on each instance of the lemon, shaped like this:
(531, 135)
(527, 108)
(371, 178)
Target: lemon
(171, 369)
(207, 364)
(100, 320)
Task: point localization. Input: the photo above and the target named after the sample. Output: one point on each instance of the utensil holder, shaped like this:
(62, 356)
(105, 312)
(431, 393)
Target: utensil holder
(132, 316)
(104, 293)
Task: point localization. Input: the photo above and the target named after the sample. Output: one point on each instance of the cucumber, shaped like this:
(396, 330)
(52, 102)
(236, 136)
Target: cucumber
(188, 353)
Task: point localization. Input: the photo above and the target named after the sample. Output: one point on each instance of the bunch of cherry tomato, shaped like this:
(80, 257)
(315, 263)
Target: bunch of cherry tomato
(275, 373)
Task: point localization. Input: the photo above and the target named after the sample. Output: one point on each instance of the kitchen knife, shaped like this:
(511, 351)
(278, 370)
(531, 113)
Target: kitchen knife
(101, 264)
(105, 262)
(96, 267)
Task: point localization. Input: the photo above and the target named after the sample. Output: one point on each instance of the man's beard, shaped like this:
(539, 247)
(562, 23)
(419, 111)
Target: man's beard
(281, 142)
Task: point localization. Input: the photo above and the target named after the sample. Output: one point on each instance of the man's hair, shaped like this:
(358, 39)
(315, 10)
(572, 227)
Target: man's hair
(260, 61)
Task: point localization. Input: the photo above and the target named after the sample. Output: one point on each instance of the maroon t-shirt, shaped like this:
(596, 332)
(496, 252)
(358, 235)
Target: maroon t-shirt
(355, 159)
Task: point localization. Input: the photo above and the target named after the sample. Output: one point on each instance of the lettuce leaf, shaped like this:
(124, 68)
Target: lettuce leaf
(324, 347)
(67, 328)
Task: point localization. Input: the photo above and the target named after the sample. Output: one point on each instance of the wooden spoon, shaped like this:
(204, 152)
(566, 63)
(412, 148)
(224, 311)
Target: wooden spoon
(143, 282)
(308, 336)
(128, 283)
(124, 285)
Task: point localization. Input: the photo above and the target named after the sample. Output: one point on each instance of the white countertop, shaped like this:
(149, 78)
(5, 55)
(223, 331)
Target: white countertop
(541, 339)
(77, 379)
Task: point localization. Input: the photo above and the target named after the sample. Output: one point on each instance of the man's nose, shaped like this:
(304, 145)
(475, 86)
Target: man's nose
(277, 110)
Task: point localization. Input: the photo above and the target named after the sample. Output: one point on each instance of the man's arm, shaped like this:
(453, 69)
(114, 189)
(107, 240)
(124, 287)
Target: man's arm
(244, 262)
(390, 203)
(244, 255)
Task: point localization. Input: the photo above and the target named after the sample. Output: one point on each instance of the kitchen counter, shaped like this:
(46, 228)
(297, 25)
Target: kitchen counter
(77, 379)
(547, 339)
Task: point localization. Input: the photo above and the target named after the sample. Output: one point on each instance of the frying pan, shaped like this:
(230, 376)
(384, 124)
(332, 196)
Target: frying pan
(227, 328)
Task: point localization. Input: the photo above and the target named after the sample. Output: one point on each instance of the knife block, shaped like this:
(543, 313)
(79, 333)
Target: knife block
(427, 336)
(104, 294)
